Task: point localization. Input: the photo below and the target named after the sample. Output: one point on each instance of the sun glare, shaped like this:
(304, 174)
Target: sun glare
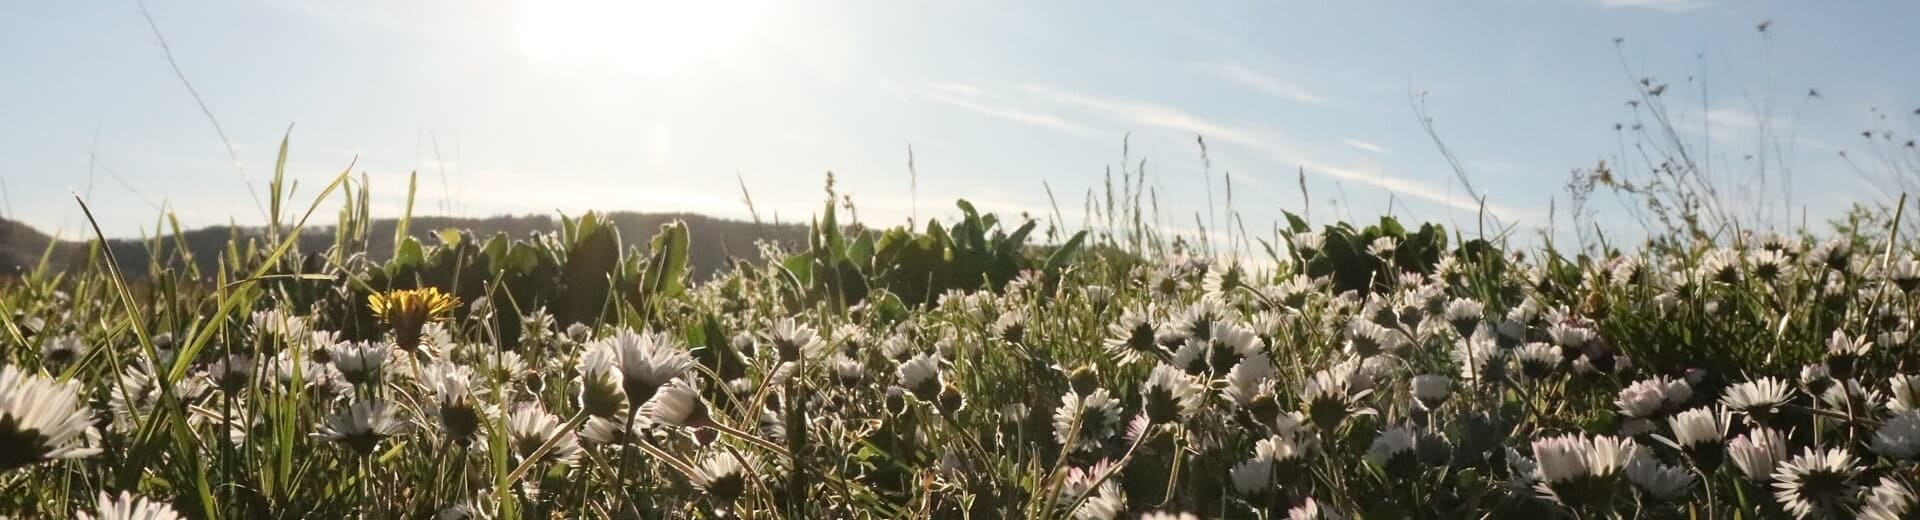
(647, 37)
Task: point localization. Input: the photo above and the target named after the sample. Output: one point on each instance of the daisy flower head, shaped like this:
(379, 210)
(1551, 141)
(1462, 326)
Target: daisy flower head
(1431, 390)
(1758, 453)
(1699, 432)
(1170, 394)
(1891, 499)
(1660, 481)
(1329, 397)
(722, 475)
(59, 351)
(1252, 477)
(1465, 314)
(792, 340)
(362, 426)
(1105, 503)
(1817, 483)
(602, 392)
(360, 361)
(530, 427)
(677, 404)
(920, 375)
(1844, 352)
(646, 362)
(1758, 398)
(1393, 451)
(1097, 416)
(41, 419)
(1132, 338)
(127, 506)
(1538, 360)
(1903, 393)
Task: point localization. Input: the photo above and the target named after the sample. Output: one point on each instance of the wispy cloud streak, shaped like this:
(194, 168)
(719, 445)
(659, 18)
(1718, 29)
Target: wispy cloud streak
(1263, 82)
(1169, 118)
(974, 99)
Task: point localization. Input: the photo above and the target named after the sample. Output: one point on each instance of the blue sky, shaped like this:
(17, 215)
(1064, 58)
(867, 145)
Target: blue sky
(536, 107)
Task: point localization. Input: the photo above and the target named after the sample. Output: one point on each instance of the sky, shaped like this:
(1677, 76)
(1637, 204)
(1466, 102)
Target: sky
(538, 107)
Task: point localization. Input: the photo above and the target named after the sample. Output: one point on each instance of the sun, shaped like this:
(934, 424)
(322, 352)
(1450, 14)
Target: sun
(646, 37)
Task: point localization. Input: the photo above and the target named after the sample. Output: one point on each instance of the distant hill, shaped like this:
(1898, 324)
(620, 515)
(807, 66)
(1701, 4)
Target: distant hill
(714, 240)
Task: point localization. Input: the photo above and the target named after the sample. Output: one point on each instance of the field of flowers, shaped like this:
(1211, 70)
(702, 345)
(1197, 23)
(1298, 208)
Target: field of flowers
(965, 370)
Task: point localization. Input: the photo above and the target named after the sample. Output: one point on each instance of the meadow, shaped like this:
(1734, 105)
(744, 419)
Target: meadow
(966, 369)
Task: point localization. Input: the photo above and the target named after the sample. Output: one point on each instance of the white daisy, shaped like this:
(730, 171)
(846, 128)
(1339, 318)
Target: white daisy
(1661, 481)
(1898, 436)
(1132, 337)
(1891, 499)
(362, 426)
(59, 351)
(1170, 394)
(678, 404)
(647, 362)
(1758, 452)
(1431, 390)
(1098, 414)
(1696, 427)
(1903, 393)
(1817, 483)
(793, 340)
(359, 361)
(128, 506)
(1393, 450)
(1537, 360)
(531, 426)
(722, 475)
(1106, 503)
(1252, 477)
(41, 419)
(920, 375)
(1758, 398)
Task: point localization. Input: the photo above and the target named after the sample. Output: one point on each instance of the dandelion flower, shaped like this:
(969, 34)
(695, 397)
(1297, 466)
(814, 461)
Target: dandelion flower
(408, 311)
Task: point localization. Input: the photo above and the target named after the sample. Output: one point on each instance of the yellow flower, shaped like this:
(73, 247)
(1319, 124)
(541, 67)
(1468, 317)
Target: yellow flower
(408, 310)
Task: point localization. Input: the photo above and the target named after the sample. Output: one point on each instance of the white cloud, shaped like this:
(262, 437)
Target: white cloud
(1264, 82)
(1365, 146)
(974, 99)
(1154, 115)
(1169, 118)
(1669, 6)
